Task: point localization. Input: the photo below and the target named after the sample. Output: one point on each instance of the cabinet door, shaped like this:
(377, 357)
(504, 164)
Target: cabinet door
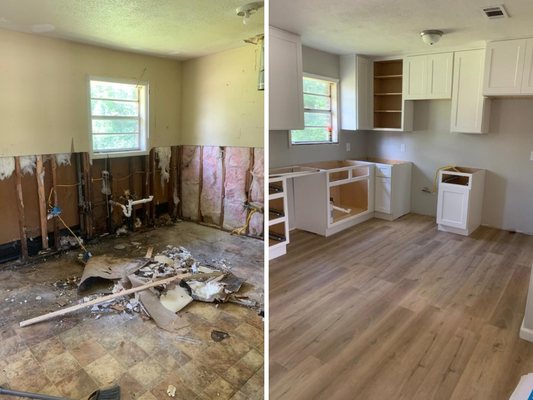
(452, 206)
(504, 67)
(415, 77)
(440, 68)
(527, 79)
(356, 96)
(470, 109)
(285, 85)
(382, 200)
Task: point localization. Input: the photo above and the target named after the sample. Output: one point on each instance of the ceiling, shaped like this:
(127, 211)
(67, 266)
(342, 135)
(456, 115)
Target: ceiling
(389, 27)
(178, 29)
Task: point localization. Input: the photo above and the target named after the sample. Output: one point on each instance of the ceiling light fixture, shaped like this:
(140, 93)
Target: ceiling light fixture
(431, 36)
(248, 10)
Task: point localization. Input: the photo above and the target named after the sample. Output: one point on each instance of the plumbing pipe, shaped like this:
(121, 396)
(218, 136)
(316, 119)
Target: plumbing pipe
(128, 208)
(344, 210)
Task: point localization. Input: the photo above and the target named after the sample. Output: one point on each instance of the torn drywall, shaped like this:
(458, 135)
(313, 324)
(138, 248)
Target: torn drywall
(190, 181)
(163, 156)
(7, 166)
(63, 159)
(237, 162)
(211, 197)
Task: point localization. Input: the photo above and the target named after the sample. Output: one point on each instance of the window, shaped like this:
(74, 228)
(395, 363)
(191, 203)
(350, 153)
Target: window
(119, 113)
(320, 112)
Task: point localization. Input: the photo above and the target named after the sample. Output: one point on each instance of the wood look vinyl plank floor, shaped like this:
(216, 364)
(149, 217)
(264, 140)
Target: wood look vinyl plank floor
(399, 310)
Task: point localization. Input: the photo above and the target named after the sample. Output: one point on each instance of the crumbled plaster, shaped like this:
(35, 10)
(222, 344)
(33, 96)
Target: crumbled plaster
(163, 155)
(7, 166)
(63, 159)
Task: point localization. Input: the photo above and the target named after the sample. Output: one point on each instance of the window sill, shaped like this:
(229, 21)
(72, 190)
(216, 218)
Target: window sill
(311, 143)
(96, 156)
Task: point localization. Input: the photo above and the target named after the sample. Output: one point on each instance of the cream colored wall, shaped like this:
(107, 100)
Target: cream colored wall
(221, 105)
(44, 99)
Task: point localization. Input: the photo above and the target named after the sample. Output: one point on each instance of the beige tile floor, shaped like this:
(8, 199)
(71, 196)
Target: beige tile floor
(75, 355)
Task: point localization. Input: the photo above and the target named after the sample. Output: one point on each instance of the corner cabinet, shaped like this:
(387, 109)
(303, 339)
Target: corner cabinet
(470, 109)
(356, 95)
(428, 76)
(285, 81)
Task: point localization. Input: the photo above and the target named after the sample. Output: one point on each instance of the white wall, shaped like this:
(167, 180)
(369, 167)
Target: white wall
(319, 63)
(504, 152)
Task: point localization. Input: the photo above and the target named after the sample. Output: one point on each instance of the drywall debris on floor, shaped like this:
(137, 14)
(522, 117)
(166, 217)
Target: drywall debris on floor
(190, 182)
(7, 167)
(211, 196)
(27, 164)
(175, 299)
(63, 159)
(237, 162)
(171, 391)
(163, 157)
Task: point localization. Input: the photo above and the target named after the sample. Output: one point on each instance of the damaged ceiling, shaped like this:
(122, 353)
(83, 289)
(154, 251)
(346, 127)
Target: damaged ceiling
(177, 29)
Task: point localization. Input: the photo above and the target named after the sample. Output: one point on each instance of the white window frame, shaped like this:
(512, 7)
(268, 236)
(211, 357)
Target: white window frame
(335, 116)
(144, 123)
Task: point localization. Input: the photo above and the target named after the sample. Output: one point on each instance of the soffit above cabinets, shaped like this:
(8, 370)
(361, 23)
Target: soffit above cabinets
(179, 29)
(384, 27)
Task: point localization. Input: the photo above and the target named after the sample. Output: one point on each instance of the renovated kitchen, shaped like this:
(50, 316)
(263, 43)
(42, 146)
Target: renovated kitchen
(400, 184)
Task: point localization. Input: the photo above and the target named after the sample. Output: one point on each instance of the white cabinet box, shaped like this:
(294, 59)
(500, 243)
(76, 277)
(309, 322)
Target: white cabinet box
(278, 223)
(356, 93)
(392, 189)
(460, 199)
(470, 109)
(428, 76)
(285, 81)
(339, 197)
(509, 68)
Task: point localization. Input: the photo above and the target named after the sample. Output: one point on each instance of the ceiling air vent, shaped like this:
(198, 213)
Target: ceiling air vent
(494, 12)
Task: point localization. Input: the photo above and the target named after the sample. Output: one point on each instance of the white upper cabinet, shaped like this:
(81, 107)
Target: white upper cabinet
(356, 93)
(505, 68)
(428, 76)
(527, 78)
(470, 109)
(285, 81)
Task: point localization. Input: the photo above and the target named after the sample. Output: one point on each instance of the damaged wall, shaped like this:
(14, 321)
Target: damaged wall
(221, 104)
(46, 110)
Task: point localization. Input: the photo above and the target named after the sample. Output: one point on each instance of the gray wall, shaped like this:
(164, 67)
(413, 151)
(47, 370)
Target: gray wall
(504, 152)
(281, 154)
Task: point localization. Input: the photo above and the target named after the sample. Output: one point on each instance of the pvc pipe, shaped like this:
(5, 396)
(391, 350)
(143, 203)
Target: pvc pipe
(128, 208)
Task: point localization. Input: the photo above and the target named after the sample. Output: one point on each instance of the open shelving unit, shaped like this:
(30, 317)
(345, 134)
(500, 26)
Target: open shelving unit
(278, 232)
(388, 103)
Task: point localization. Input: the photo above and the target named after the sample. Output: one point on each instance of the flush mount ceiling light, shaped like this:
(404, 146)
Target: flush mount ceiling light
(431, 36)
(249, 9)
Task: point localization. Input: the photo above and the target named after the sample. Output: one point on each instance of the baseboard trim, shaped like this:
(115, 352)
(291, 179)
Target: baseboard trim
(525, 333)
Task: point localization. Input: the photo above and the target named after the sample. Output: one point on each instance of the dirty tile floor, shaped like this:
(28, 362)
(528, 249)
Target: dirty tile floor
(74, 355)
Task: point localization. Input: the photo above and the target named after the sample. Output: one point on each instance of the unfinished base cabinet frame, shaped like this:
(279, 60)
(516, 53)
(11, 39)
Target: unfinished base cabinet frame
(278, 223)
(331, 201)
(460, 200)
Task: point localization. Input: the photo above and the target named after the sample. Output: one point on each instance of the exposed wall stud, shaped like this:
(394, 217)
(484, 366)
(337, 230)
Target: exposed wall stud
(178, 179)
(153, 170)
(146, 191)
(223, 191)
(200, 183)
(39, 176)
(53, 163)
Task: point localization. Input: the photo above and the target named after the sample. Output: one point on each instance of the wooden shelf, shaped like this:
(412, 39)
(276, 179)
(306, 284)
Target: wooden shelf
(388, 94)
(387, 76)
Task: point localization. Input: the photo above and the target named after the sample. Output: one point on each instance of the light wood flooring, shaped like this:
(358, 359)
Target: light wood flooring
(398, 310)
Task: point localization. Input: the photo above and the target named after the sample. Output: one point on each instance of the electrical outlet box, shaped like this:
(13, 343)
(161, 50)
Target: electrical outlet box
(348, 146)
(402, 148)
(531, 156)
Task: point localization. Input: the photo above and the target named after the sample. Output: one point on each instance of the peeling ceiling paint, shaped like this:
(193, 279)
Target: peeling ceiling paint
(388, 27)
(180, 29)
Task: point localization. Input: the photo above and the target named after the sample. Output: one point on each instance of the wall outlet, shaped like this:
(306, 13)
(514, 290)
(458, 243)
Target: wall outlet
(349, 146)
(402, 148)
(531, 156)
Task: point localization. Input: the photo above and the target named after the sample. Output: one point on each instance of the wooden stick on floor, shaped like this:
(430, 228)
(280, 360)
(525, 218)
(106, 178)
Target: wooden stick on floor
(113, 296)
(39, 175)
(21, 215)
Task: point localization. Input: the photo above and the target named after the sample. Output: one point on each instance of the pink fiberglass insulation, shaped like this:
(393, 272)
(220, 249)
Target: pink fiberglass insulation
(211, 197)
(190, 181)
(237, 162)
(257, 191)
